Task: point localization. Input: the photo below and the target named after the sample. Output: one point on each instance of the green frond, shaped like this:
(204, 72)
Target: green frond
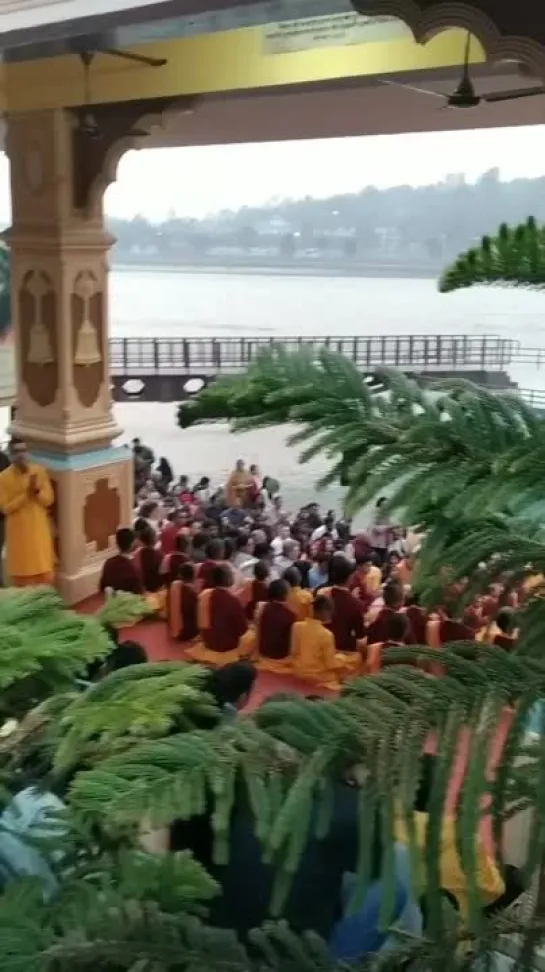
(515, 256)
(123, 609)
(45, 647)
(141, 701)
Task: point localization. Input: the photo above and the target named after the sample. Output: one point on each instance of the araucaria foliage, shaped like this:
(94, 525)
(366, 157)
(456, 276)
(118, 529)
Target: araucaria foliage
(130, 753)
(514, 257)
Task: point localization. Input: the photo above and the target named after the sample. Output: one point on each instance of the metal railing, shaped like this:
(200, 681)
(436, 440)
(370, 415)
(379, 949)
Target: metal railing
(413, 352)
(533, 397)
(529, 356)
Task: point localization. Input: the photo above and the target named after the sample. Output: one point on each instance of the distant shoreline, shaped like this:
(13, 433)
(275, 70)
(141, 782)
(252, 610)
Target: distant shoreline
(316, 269)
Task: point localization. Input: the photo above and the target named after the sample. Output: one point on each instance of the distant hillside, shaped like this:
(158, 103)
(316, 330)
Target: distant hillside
(421, 227)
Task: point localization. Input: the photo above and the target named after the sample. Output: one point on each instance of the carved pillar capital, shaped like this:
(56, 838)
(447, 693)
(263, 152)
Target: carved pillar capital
(66, 158)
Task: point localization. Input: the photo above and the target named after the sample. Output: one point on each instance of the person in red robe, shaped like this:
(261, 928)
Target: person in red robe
(377, 631)
(148, 562)
(347, 625)
(183, 605)
(507, 633)
(170, 530)
(274, 621)
(214, 557)
(418, 619)
(441, 629)
(221, 619)
(255, 590)
(119, 572)
(179, 555)
(444, 628)
(397, 627)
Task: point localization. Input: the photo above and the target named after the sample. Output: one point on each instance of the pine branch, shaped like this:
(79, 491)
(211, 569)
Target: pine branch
(515, 256)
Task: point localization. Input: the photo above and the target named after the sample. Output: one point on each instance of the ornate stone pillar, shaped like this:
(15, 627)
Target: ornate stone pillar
(59, 258)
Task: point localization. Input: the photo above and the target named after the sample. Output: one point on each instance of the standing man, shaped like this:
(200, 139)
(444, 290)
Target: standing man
(4, 463)
(26, 495)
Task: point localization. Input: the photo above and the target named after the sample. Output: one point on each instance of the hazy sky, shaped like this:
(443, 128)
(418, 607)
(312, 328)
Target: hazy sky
(196, 181)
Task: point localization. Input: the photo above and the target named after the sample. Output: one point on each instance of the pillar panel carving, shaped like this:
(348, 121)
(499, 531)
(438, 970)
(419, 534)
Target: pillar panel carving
(59, 256)
(59, 281)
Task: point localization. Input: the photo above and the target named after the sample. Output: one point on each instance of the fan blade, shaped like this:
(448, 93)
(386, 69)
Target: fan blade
(513, 95)
(139, 58)
(411, 87)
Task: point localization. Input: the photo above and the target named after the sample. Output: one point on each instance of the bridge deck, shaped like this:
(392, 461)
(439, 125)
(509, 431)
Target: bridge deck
(136, 357)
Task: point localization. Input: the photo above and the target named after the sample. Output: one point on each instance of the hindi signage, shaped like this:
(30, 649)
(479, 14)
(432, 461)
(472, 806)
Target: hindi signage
(336, 30)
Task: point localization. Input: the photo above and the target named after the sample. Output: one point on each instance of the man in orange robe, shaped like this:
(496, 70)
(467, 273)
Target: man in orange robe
(26, 495)
(238, 485)
(299, 600)
(366, 579)
(221, 619)
(313, 656)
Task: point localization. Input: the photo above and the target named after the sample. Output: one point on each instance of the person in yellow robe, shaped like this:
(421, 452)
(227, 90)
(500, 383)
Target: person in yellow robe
(298, 600)
(489, 880)
(312, 652)
(26, 494)
(237, 486)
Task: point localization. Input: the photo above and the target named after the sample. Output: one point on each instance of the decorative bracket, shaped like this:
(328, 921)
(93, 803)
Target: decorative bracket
(507, 31)
(101, 134)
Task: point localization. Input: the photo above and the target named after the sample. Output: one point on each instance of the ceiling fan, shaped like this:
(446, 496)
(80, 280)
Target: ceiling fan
(465, 96)
(87, 122)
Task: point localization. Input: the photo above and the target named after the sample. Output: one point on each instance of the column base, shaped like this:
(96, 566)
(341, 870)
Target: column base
(93, 498)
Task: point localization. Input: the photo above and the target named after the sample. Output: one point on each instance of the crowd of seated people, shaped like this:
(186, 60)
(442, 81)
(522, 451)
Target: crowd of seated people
(234, 575)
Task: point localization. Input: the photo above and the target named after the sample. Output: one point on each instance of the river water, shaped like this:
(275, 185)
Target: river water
(173, 304)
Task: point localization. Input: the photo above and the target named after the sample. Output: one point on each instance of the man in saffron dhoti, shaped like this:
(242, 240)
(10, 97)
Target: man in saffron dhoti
(26, 495)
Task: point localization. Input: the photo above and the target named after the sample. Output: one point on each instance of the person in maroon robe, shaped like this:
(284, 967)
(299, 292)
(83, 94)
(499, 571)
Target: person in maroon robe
(397, 630)
(222, 620)
(255, 590)
(418, 620)
(119, 572)
(170, 565)
(507, 625)
(347, 624)
(183, 605)
(274, 623)
(214, 557)
(453, 629)
(148, 562)
(170, 530)
(377, 631)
